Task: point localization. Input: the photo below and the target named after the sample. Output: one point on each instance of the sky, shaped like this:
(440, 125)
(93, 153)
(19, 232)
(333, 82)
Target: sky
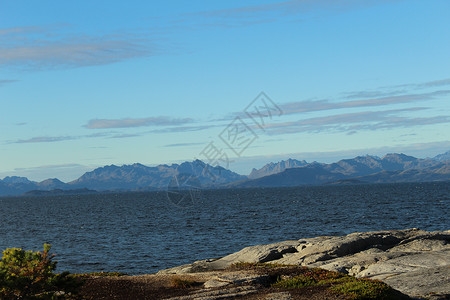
(239, 84)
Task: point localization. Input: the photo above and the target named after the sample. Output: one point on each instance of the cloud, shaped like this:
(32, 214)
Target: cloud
(183, 144)
(46, 139)
(121, 123)
(321, 105)
(275, 11)
(184, 129)
(372, 94)
(366, 99)
(22, 29)
(6, 81)
(130, 122)
(397, 89)
(123, 136)
(353, 122)
(53, 139)
(39, 48)
(435, 83)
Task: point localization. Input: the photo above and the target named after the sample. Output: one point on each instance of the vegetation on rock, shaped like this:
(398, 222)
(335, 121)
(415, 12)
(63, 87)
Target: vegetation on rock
(298, 277)
(355, 288)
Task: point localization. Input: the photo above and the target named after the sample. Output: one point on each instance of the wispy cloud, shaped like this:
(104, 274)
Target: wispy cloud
(46, 139)
(353, 122)
(49, 48)
(434, 83)
(21, 29)
(183, 144)
(246, 15)
(54, 139)
(365, 99)
(321, 105)
(124, 136)
(6, 81)
(397, 89)
(372, 94)
(136, 122)
(168, 124)
(184, 129)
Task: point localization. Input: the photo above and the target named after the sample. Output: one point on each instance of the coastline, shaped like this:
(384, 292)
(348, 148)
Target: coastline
(412, 261)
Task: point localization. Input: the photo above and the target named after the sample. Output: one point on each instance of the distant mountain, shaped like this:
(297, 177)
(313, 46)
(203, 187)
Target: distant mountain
(136, 177)
(442, 157)
(438, 172)
(51, 184)
(273, 168)
(16, 185)
(313, 173)
(16, 180)
(392, 167)
(360, 165)
(140, 177)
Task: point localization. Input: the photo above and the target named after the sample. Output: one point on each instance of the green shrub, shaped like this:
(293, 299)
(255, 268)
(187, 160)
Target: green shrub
(310, 277)
(364, 288)
(354, 288)
(29, 275)
(295, 283)
(98, 274)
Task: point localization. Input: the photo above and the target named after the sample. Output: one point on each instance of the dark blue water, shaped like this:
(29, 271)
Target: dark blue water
(143, 232)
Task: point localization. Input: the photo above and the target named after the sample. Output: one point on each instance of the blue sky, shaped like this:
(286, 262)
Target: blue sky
(91, 83)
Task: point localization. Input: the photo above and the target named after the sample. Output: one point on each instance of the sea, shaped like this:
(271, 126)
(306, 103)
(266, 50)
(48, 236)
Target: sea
(143, 232)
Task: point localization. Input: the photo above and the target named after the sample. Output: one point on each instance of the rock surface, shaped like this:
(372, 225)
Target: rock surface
(413, 261)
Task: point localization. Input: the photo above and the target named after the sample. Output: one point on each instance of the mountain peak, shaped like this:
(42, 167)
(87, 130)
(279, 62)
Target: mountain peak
(398, 156)
(273, 168)
(137, 165)
(16, 179)
(138, 176)
(442, 157)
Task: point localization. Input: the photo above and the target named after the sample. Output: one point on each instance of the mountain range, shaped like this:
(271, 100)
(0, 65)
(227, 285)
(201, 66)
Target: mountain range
(392, 167)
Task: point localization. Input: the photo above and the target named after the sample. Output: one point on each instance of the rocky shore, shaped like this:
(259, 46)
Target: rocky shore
(408, 264)
(412, 261)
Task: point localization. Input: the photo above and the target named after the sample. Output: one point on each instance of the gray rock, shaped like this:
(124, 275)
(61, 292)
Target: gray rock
(414, 261)
(431, 283)
(214, 283)
(258, 254)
